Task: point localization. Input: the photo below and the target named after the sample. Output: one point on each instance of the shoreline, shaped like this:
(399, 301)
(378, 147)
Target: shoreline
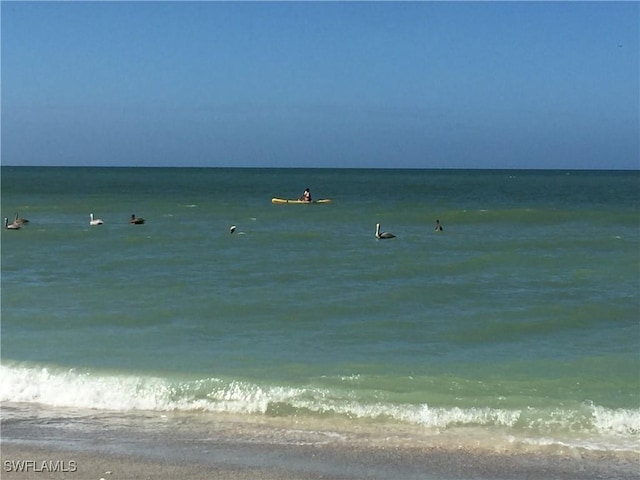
(38, 442)
(226, 447)
(287, 462)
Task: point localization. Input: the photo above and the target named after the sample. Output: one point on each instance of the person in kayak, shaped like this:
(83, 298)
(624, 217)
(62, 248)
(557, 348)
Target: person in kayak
(306, 196)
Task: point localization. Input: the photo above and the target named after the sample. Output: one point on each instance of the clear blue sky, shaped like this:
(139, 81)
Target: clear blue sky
(322, 84)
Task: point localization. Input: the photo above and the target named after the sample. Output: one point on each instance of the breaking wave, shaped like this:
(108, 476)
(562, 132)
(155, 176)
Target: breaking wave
(73, 388)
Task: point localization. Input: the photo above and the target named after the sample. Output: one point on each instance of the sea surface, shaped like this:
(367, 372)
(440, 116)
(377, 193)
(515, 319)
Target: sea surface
(518, 324)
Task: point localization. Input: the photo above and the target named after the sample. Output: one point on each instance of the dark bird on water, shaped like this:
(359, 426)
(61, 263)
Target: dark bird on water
(136, 220)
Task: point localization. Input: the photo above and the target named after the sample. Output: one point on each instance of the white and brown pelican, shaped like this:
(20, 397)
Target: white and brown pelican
(383, 235)
(19, 220)
(136, 220)
(94, 221)
(11, 226)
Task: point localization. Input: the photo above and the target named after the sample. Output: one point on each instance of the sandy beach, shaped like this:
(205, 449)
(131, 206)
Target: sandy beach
(46, 443)
(284, 462)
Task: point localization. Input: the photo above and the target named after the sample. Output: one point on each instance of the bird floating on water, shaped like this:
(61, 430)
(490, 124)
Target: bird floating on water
(383, 235)
(11, 226)
(20, 221)
(232, 229)
(136, 220)
(94, 221)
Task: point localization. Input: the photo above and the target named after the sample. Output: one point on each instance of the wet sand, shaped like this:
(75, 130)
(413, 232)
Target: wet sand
(288, 462)
(52, 443)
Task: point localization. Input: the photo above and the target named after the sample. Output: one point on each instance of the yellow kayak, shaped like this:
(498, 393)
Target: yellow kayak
(298, 202)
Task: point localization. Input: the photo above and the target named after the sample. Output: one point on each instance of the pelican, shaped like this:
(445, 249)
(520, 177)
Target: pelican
(232, 229)
(383, 235)
(19, 220)
(136, 220)
(94, 221)
(11, 226)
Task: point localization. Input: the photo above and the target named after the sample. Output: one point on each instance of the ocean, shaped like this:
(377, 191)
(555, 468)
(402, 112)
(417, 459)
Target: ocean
(517, 325)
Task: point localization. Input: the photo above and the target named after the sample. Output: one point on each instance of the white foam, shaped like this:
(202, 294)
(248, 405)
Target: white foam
(82, 389)
(72, 388)
(619, 421)
(591, 426)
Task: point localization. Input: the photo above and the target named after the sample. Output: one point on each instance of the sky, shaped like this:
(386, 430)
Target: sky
(321, 84)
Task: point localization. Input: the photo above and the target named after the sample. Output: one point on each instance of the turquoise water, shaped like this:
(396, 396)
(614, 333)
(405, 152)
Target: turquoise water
(519, 320)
